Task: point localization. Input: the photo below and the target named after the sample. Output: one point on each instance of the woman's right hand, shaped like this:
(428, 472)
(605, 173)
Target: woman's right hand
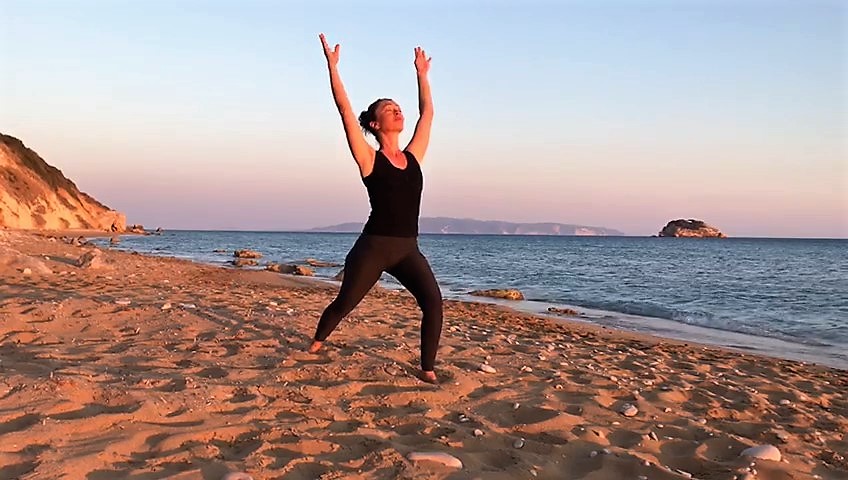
(332, 55)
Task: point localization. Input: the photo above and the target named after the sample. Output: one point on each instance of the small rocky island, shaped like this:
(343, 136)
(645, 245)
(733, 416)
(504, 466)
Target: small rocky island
(690, 228)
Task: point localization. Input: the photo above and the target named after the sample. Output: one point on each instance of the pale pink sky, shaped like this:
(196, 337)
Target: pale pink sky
(593, 113)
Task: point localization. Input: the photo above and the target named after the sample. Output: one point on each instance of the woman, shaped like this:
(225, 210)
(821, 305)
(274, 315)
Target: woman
(389, 239)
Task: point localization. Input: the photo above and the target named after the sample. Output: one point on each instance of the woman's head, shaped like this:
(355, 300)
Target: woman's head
(384, 115)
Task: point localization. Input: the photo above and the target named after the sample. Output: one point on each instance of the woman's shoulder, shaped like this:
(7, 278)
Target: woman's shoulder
(410, 155)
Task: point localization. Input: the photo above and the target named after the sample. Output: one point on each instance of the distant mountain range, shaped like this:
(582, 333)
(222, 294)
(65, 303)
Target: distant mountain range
(486, 227)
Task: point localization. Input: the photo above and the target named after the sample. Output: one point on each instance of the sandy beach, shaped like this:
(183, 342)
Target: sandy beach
(128, 366)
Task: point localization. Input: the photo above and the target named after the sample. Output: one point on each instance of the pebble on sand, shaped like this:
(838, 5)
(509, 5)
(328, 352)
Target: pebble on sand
(487, 368)
(438, 457)
(629, 410)
(237, 476)
(763, 452)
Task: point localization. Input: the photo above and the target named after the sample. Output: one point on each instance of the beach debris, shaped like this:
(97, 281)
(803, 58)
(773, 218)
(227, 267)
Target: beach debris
(166, 306)
(27, 271)
(507, 294)
(593, 454)
(277, 268)
(628, 410)
(319, 263)
(123, 302)
(829, 457)
(189, 306)
(518, 443)
(304, 271)
(463, 418)
(763, 452)
(563, 311)
(92, 259)
(516, 406)
(247, 254)
(653, 436)
(526, 369)
(76, 241)
(786, 402)
(437, 457)
(290, 269)
(236, 476)
(478, 432)
(485, 367)
(244, 262)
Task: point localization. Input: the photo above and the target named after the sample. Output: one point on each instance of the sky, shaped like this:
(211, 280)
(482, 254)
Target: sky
(190, 114)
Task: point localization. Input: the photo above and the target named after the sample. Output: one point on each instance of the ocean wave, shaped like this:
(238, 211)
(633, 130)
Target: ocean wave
(709, 320)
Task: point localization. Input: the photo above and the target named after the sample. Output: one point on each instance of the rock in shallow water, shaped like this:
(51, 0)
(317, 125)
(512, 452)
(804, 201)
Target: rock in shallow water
(508, 294)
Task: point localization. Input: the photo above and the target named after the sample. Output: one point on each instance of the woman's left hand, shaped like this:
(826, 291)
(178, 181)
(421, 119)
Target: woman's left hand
(422, 62)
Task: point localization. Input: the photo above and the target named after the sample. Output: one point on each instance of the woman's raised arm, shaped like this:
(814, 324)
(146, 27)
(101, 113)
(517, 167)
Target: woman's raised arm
(421, 137)
(362, 152)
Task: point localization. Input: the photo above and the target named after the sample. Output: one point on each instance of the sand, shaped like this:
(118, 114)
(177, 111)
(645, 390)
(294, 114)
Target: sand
(148, 368)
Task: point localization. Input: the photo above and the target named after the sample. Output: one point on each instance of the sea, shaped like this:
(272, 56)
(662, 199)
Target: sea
(785, 298)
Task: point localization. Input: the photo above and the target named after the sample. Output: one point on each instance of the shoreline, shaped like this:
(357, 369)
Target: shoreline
(92, 233)
(670, 330)
(661, 328)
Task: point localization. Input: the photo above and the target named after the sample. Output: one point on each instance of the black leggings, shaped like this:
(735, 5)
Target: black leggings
(400, 257)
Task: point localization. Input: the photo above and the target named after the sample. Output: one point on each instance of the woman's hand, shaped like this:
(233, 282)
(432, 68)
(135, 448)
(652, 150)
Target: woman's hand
(422, 62)
(332, 55)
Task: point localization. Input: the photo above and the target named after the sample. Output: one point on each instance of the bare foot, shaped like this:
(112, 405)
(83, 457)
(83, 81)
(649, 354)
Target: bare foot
(316, 345)
(428, 376)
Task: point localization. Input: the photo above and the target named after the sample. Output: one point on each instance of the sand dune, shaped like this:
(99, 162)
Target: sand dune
(150, 368)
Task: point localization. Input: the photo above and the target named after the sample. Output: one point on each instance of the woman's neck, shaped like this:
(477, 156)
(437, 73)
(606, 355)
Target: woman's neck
(389, 142)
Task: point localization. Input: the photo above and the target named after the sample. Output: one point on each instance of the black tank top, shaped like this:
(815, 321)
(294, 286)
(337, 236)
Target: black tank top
(395, 197)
